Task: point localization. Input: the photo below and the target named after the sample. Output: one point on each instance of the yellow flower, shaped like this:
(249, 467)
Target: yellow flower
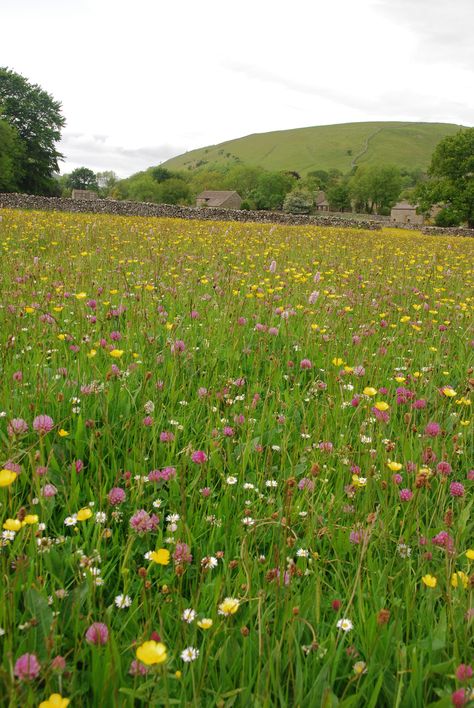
(81, 296)
(116, 353)
(162, 556)
(337, 361)
(30, 519)
(92, 353)
(459, 577)
(7, 477)
(400, 379)
(358, 481)
(84, 514)
(229, 606)
(369, 391)
(430, 581)
(178, 674)
(29, 310)
(382, 406)
(205, 623)
(470, 554)
(151, 653)
(449, 391)
(12, 525)
(55, 701)
(63, 433)
(394, 466)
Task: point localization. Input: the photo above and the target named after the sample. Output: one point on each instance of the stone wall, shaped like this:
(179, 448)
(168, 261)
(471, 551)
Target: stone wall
(109, 206)
(123, 208)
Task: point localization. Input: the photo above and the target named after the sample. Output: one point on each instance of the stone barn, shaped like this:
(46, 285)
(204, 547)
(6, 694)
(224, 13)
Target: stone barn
(405, 213)
(321, 203)
(221, 199)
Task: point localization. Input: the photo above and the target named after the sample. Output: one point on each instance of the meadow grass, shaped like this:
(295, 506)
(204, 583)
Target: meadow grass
(236, 464)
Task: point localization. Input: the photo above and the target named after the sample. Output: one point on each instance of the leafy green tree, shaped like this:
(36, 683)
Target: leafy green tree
(339, 197)
(271, 190)
(106, 182)
(82, 178)
(143, 188)
(376, 188)
(160, 174)
(243, 179)
(452, 179)
(10, 154)
(174, 191)
(36, 117)
(298, 201)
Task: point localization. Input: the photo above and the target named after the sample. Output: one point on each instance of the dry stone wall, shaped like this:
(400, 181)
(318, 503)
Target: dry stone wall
(123, 208)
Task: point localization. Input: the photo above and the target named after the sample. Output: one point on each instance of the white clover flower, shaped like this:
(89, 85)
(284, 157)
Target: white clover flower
(271, 483)
(100, 517)
(345, 624)
(123, 601)
(231, 480)
(189, 615)
(189, 654)
(302, 553)
(209, 562)
(248, 521)
(71, 520)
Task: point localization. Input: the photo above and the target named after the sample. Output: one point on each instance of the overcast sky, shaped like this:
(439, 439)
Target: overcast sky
(143, 80)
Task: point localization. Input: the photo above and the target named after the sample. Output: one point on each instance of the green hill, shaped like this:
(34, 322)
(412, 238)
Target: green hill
(408, 145)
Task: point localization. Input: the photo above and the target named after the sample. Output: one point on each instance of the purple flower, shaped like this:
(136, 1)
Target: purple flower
(444, 468)
(199, 457)
(406, 494)
(142, 521)
(182, 554)
(464, 672)
(178, 346)
(48, 491)
(456, 489)
(43, 424)
(97, 634)
(432, 430)
(137, 668)
(166, 436)
(313, 297)
(27, 667)
(116, 496)
(17, 426)
(305, 364)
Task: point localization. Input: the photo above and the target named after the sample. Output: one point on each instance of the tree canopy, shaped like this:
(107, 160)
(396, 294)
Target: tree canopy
(36, 119)
(452, 180)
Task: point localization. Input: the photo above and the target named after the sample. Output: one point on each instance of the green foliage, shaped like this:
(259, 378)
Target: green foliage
(160, 174)
(82, 178)
(339, 197)
(36, 117)
(375, 188)
(448, 217)
(452, 183)
(299, 201)
(10, 152)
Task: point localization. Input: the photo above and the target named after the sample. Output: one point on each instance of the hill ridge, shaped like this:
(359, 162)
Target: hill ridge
(407, 144)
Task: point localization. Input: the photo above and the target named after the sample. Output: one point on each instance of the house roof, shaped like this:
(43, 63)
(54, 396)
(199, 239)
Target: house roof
(321, 199)
(215, 197)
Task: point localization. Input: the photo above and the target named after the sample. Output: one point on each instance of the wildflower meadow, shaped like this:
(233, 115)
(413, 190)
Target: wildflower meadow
(236, 464)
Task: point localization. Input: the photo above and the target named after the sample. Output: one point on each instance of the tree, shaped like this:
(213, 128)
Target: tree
(339, 197)
(271, 190)
(452, 179)
(10, 153)
(82, 178)
(36, 117)
(298, 201)
(106, 182)
(375, 188)
(160, 174)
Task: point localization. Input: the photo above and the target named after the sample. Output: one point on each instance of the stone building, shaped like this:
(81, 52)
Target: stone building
(321, 203)
(84, 194)
(405, 213)
(221, 199)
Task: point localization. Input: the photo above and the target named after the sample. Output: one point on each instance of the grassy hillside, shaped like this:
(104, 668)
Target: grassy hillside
(324, 147)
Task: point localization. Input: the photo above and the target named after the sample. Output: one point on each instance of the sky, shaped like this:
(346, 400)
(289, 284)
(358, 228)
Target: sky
(144, 80)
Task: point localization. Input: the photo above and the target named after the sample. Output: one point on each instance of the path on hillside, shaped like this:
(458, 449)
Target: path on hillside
(365, 148)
